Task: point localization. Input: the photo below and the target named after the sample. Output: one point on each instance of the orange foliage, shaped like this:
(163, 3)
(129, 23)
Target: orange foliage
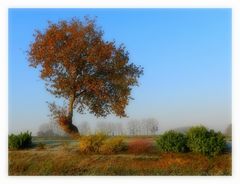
(84, 69)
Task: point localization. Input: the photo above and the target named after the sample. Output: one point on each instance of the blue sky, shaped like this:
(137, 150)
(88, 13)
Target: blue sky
(186, 55)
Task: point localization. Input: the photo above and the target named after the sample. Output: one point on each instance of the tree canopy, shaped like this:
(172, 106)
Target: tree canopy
(78, 65)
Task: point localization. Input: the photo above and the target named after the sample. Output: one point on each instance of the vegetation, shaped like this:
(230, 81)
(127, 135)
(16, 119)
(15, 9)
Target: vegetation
(197, 139)
(204, 141)
(20, 141)
(57, 161)
(88, 72)
(172, 141)
(92, 143)
(126, 155)
(140, 146)
(113, 145)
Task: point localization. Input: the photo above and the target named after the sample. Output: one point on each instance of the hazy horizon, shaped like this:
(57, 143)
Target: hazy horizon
(186, 55)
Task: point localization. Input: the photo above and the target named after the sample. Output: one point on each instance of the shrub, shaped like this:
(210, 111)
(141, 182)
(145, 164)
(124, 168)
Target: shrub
(113, 145)
(13, 142)
(201, 140)
(140, 146)
(20, 141)
(172, 141)
(91, 143)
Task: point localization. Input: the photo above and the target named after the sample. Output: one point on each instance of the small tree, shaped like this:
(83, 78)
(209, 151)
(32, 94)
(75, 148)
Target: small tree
(79, 66)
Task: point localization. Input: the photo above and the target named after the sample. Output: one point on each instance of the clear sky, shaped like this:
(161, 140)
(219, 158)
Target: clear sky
(186, 55)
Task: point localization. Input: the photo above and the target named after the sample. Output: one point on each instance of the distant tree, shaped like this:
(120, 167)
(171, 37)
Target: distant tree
(111, 128)
(145, 127)
(79, 66)
(119, 130)
(102, 127)
(153, 126)
(133, 127)
(45, 130)
(148, 126)
(50, 129)
(142, 127)
(228, 130)
(84, 128)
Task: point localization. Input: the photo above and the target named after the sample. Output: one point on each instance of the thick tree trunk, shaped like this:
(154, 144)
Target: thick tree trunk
(70, 107)
(66, 122)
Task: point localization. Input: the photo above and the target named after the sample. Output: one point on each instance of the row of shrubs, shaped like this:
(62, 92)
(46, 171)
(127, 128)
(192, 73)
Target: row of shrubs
(197, 139)
(20, 141)
(103, 144)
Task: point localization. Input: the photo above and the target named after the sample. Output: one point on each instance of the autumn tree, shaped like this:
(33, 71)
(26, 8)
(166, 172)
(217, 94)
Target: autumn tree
(78, 65)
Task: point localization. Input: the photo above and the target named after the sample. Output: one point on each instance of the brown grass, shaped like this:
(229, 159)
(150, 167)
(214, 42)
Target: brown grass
(140, 146)
(60, 162)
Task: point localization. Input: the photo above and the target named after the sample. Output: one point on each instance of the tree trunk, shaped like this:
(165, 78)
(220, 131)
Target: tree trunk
(66, 122)
(70, 107)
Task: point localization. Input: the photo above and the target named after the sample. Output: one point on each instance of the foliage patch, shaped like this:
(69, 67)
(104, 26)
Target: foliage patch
(204, 141)
(172, 141)
(113, 145)
(92, 143)
(20, 141)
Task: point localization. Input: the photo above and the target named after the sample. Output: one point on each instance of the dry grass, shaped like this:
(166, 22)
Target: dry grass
(66, 159)
(61, 162)
(141, 146)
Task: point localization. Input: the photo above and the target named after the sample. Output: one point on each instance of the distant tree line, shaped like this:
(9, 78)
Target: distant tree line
(50, 129)
(148, 126)
(133, 127)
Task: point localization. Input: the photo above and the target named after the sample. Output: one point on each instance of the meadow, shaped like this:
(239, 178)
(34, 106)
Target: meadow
(61, 156)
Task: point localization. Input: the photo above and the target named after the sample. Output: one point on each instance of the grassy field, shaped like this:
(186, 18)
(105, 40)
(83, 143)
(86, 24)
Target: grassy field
(62, 157)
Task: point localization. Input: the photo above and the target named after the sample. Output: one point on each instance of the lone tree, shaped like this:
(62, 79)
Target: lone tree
(78, 65)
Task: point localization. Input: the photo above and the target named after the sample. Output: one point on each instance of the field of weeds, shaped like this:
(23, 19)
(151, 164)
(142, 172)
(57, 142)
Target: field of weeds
(62, 157)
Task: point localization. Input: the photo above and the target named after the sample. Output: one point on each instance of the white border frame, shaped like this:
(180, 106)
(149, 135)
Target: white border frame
(234, 4)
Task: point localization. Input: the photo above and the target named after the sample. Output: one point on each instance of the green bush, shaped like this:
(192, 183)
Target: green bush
(91, 143)
(13, 142)
(113, 145)
(204, 141)
(172, 141)
(20, 141)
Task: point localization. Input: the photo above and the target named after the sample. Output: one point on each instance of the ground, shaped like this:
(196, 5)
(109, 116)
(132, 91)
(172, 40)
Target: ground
(62, 157)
